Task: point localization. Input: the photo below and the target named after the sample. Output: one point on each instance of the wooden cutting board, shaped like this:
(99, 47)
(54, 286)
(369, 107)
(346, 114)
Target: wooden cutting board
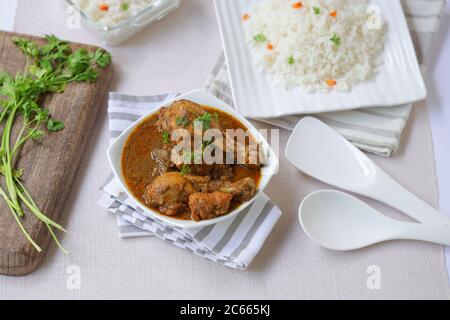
(49, 166)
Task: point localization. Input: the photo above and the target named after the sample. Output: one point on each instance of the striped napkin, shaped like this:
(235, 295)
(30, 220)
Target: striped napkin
(234, 242)
(375, 130)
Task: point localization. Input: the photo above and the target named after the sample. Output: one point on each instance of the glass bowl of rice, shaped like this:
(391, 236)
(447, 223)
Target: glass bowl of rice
(115, 21)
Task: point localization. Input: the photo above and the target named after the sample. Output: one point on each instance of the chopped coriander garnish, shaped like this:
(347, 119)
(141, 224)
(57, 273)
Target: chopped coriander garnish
(185, 169)
(316, 10)
(291, 60)
(336, 40)
(182, 121)
(260, 38)
(124, 6)
(216, 116)
(205, 119)
(166, 137)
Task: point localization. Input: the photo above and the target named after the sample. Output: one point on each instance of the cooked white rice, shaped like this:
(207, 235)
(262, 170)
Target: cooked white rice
(118, 10)
(303, 53)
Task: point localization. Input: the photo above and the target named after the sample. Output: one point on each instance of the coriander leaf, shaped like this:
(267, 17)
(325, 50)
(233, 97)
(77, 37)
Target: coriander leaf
(89, 75)
(79, 61)
(57, 88)
(216, 117)
(291, 60)
(28, 107)
(54, 40)
(182, 121)
(7, 87)
(30, 48)
(36, 134)
(260, 38)
(18, 173)
(55, 125)
(42, 115)
(4, 76)
(124, 6)
(185, 169)
(55, 47)
(102, 58)
(336, 40)
(37, 72)
(46, 65)
(166, 137)
(316, 10)
(205, 119)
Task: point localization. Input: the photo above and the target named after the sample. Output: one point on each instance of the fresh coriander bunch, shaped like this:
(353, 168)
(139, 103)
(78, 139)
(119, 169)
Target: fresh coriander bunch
(49, 69)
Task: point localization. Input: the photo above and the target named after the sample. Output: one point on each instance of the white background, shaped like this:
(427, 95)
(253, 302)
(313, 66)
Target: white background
(438, 99)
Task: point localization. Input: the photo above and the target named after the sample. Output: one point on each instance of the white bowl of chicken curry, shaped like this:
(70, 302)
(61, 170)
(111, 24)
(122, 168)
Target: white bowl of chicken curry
(187, 191)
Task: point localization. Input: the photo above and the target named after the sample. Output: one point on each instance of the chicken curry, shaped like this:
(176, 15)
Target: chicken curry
(186, 190)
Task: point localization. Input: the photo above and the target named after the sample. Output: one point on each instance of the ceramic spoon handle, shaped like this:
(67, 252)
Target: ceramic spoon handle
(439, 234)
(390, 192)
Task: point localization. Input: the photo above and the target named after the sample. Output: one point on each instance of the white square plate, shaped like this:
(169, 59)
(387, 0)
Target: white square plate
(399, 80)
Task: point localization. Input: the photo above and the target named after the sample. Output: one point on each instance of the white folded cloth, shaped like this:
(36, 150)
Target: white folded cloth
(234, 242)
(375, 130)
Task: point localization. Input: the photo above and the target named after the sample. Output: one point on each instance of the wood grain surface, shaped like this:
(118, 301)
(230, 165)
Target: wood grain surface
(50, 165)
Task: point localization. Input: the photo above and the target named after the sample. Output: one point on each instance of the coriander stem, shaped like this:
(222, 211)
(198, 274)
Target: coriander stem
(22, 130)
(29, 202)
(6, 140)
(22, 228)
(20, 143)
(55, 238)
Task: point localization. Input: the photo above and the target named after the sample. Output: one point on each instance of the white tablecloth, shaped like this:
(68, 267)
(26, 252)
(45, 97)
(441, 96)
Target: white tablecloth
(182, 49)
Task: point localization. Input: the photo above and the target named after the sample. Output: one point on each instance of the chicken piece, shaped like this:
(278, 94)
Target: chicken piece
(200, 183)
(162, 160)
(242, 190)
(216, 203)
(173, 193)
(208, 184)
(169, 193)
(181, 115)
(209, 205)
(222, 172)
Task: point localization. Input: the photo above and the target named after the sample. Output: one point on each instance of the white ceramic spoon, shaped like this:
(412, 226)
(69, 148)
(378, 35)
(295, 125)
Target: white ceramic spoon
(322, 153)
(339, 221)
